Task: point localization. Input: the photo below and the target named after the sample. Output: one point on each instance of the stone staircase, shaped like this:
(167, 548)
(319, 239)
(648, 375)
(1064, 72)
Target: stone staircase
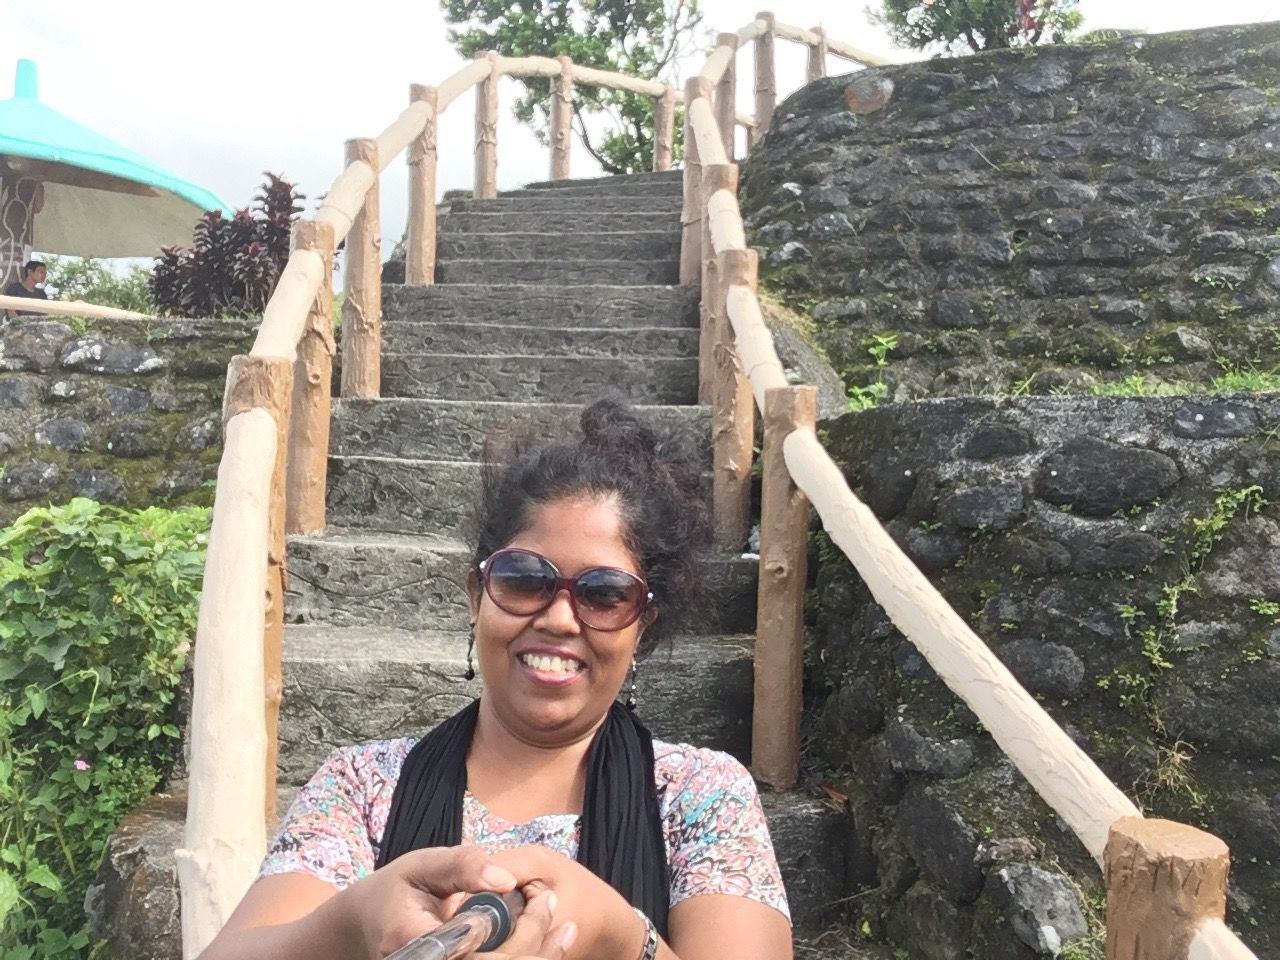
(547, 298)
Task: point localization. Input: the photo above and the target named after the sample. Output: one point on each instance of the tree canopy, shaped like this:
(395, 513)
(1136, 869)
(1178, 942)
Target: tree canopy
(638, 37)
(972, 25)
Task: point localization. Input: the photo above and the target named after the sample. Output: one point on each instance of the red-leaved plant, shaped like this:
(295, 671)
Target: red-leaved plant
(233, 263)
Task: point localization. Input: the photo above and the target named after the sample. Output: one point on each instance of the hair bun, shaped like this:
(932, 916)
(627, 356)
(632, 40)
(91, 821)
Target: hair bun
(612, 428)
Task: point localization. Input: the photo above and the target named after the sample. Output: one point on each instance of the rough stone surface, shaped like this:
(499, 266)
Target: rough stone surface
(1040, 907)
(1096, 477)
(107, 413)
(1096, 212)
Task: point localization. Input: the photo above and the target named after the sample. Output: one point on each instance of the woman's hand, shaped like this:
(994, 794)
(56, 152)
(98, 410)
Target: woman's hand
(605, 923)
(536, 937)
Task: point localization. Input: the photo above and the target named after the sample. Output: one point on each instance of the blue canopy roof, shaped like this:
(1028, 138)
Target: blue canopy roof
(30, 129)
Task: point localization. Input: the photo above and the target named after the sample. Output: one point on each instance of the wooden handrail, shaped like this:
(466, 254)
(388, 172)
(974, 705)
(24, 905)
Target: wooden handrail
(69, 308)
(1215, 941)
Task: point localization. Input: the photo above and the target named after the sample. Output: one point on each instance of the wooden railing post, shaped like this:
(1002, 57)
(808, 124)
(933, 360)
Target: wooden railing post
(817, 68)
(561, 119)
(784, 535)
(766, 82)
(664, 126)
(733, 421)
(308, 459)
(420, 252)
(486, 186)
(1163, 880)
(719, 176)
(362, 288)
(694, 207)
(267, 383)
(726, 95)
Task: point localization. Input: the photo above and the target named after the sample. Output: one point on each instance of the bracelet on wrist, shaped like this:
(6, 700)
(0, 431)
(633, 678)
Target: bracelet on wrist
(650, 949)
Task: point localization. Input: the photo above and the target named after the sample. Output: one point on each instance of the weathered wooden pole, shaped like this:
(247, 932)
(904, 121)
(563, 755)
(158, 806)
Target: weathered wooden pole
(664, 125)
(817, 68)
(362, 286)
(726, 95)
(718, 176)
(266, 383)
(1163, 880)
(561, 119)
(310, 409)
(784, 536)
(420, 246)
(694, 207)
(486, 186)
(733, 422)
(766, 83)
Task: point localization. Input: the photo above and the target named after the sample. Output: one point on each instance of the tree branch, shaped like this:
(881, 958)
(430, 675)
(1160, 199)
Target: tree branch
(585, 140)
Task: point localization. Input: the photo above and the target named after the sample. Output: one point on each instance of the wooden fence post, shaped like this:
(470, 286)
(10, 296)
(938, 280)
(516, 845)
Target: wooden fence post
(420, 252)
(267, 383)
(362, 286)
(561, 119)
(766, 82)
(1163, 880)
(784, 542)
(664, 125)
(733, 421)
(308, 459)
(726, 95)
(694, 207)
(486, 186)
(817, 68)
(720, 176)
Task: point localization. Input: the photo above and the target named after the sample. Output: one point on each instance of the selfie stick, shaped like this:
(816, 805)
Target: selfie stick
(482, 923)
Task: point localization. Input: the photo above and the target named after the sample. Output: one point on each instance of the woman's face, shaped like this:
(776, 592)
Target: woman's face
(550, 707)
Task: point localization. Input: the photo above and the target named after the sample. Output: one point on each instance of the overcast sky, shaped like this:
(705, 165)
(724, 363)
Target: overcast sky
(219, 93)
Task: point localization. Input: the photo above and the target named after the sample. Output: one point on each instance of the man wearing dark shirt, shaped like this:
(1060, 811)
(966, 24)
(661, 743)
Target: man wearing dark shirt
(33, 274)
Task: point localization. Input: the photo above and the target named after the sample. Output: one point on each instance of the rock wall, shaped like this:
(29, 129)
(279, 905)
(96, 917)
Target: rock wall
(123, 412)
(1034, 222)
(1120, 556)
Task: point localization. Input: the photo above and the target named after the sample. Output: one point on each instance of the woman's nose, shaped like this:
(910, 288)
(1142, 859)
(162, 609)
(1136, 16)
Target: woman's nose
(559, 617)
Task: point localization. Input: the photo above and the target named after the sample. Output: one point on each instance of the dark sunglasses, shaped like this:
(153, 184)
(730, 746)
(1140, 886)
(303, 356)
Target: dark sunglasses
(524, 583)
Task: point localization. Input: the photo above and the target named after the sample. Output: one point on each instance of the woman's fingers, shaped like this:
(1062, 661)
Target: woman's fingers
(555, 945)
(534, 922)
(442, 871)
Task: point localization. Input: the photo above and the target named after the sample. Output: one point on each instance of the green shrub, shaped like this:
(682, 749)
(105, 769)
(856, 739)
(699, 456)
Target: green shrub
(97, 612)
(83, 278)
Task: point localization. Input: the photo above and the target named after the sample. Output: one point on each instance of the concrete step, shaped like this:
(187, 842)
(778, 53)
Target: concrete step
(396, 495)
(579, 188)
(492, 339)
(636, 272)
(552, 201)
(347, 684)
(536, 379)
(584, 221)
(366, 578)
(648, 177)
(562, 245)
(456, 429)
(580, 305)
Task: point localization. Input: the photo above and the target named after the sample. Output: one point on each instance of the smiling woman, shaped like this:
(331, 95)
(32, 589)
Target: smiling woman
(627, 847)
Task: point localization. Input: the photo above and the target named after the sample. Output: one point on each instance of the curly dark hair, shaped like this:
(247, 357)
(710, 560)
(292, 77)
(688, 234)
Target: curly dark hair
(656, 481)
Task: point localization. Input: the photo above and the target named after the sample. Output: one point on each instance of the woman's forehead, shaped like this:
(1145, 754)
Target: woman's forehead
(578, 532)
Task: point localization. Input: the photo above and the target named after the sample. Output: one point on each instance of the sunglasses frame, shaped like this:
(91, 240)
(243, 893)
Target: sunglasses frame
(568, 584)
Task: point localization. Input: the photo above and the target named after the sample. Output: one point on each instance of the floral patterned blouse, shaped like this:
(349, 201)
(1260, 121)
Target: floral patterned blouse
(716, 836)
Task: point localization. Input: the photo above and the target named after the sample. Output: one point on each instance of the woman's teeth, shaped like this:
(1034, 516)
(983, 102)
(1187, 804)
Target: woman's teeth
(547, 664)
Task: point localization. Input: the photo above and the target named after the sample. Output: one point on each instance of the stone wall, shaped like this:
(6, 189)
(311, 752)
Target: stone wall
(1118, 556)
(123, 412)
(1034, 222)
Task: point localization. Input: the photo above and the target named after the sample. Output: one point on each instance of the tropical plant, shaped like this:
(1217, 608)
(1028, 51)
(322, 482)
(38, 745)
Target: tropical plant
(961, 26)
(233, 263)
(642, 38)
(97, 612)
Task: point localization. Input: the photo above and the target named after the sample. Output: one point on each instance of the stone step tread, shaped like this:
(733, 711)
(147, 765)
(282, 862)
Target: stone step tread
(340, 537)
(637, 245)
(586, 304)
(659, 189)
(647, 176)
(581, 223)
(533, 357)
(638, 235)
(552, 201)
(449, 429)
(640, 273)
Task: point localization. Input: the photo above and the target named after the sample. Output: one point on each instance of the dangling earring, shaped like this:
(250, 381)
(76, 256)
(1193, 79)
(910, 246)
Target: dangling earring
(631, 689)
(470, 673)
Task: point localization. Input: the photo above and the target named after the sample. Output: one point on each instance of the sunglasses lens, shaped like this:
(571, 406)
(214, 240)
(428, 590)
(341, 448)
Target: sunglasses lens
(520, 582)
(608, 599)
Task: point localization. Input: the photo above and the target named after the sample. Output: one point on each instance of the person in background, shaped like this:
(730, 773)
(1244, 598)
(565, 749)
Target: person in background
(33, 275)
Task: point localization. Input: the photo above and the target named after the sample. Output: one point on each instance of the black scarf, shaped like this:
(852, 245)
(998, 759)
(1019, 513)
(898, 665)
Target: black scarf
(621, 837)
